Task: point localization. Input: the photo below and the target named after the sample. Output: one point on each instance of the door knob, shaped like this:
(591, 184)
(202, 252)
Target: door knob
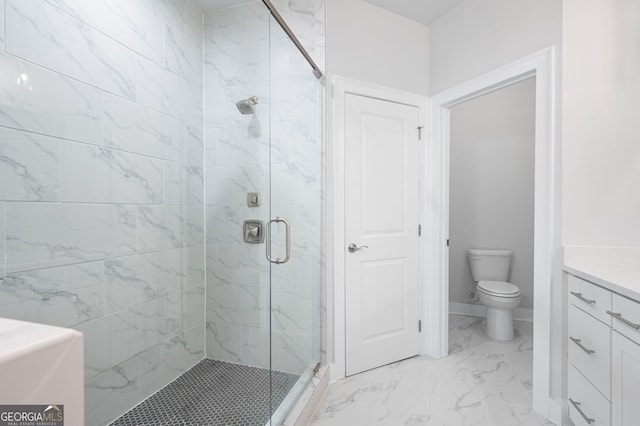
(354, 248)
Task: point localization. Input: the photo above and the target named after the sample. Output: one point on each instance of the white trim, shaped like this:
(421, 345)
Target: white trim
(436, 297)
(479, 310)
(558, 413)
(335, 203)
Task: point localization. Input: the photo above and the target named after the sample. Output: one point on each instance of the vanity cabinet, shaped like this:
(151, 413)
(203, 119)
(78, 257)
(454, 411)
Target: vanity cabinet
(604, 356)
(625, 383)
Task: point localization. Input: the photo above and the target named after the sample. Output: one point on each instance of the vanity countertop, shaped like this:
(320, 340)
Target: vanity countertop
(42, 365)
(18, 338)
(624, 280)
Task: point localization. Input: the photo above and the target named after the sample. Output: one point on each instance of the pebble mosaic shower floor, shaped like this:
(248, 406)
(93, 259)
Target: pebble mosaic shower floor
(213, 393)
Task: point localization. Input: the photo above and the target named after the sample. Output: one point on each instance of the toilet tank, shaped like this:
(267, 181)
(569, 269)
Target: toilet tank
(489, 265)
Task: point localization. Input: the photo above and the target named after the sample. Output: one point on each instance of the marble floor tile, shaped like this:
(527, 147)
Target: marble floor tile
(481, 382)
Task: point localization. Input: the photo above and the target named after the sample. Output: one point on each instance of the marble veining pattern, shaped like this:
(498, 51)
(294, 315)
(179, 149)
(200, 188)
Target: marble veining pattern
(130, 23)
(183, 57)
(94, 174)
(194, 146)
(480, 383)
(29, 166)
(159, 228)
(137, 279)
(33, 103)
(102, 202)
(61, 296)
(58, 234)
(76, 50)
(235, 146)
(162, 90)
(239, 266)
(130, 127)
(183, 184)
(228, 186)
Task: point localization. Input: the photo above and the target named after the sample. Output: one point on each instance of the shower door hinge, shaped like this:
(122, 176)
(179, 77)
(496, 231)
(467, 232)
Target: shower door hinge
(419, 230)
(419, 326)
(447, 242)
(420, 132)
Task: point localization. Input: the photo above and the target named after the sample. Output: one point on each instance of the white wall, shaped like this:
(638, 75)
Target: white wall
(481, 35)
(370, 44)
(600, 124)
(491, 185)
(600, 128)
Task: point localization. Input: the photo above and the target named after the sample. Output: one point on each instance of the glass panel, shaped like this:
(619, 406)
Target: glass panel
(261, 318)
(237, 128)
(296, 179)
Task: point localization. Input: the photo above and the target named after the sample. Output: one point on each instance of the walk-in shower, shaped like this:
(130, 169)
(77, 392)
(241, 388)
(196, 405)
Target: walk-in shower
(263, 293)
(126, 174)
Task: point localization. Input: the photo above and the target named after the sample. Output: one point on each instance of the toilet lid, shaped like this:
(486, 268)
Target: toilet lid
(499, 288)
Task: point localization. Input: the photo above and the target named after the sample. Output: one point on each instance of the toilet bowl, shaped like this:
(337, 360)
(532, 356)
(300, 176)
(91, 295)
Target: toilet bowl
(500, 299)
(490, 271)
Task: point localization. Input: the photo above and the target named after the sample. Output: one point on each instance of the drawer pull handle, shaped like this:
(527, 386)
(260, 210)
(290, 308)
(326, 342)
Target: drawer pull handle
(581, 297)
(619, 317)
(576, 405)
(578, 342)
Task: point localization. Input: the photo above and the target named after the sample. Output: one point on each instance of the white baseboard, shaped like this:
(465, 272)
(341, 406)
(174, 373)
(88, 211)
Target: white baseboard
(478, 310)
(335, 373)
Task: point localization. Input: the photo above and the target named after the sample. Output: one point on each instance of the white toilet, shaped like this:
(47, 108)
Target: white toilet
(490, 271)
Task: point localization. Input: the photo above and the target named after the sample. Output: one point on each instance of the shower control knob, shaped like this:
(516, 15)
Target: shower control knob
(354, 248)
(253, 231)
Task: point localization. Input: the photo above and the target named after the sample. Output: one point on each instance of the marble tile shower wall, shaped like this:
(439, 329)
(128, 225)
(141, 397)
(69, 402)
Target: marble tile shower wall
(246, 56)
(101, 185)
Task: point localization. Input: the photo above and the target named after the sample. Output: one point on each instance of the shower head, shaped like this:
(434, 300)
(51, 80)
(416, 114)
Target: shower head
(245, 106)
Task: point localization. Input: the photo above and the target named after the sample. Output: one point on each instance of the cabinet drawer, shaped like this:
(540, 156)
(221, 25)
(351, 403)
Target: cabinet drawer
(626, 317)
(590, 349)
(585, 402)
(590, 298)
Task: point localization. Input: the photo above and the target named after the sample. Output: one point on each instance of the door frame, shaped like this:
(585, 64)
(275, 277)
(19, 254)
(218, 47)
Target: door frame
(336, 282)
(436, 297)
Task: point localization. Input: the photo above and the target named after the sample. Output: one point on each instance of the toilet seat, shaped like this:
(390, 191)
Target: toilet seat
(499, 288)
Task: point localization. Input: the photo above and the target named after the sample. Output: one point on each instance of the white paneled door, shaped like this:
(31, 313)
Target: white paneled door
(381, 221)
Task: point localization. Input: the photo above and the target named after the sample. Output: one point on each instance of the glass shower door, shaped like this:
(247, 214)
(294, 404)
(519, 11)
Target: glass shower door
(264, 131)
(296, 221)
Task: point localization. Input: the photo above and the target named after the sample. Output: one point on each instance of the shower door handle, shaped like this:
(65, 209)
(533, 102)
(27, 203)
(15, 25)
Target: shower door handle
(287, 255)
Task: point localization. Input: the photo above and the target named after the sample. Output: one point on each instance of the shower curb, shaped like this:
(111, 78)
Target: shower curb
(303, 411)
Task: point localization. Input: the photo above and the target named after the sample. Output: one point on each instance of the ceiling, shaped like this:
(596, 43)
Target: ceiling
(423, 11)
